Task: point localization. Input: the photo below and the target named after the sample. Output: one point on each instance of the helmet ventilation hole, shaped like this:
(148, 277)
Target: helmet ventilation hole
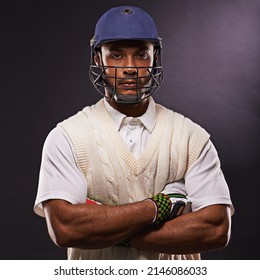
(127, 11)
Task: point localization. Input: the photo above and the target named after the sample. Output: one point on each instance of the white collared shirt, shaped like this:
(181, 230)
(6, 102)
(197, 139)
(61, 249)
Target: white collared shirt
(61, 178)
(134, 131)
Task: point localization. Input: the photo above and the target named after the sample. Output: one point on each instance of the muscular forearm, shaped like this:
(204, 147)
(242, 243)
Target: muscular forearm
(95, 226)
(203, 230)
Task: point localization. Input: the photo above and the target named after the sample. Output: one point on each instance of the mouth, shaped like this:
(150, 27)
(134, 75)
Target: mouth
(128, 84)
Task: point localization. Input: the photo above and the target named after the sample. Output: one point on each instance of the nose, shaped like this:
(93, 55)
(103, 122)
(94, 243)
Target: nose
(130, 68)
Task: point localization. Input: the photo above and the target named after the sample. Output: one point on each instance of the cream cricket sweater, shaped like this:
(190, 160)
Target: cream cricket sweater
(115, 177)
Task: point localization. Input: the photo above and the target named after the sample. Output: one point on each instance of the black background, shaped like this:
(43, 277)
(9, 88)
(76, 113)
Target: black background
(211, 58)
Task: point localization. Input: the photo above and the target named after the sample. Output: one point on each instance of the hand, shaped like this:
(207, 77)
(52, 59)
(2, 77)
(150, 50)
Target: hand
(169, 205)
(177, 198)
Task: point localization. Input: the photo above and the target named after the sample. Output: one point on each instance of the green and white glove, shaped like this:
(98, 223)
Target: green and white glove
(169, 205)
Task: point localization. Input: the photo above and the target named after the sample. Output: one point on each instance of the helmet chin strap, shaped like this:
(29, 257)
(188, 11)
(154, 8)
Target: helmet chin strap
(129, 98)
(126, 98)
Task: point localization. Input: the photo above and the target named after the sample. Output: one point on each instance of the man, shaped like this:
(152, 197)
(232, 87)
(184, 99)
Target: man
(117, 179)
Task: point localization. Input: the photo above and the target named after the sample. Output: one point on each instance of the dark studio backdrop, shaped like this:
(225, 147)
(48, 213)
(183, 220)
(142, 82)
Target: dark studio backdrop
(211, 59)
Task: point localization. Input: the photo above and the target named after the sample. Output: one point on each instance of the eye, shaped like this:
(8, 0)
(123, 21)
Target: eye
(116, 55)
(142, 55)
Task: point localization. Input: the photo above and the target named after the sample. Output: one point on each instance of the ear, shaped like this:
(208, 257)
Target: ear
(97, 59)
(156, 55)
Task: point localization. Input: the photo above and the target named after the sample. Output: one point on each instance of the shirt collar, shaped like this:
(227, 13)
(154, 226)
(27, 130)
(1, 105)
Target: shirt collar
(148, 119)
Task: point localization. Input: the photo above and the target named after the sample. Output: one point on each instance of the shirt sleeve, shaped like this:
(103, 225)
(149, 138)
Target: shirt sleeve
(60, 176)
(205, 183)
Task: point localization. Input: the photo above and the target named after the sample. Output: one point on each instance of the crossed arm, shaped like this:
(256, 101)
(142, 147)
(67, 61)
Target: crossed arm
(97, 226)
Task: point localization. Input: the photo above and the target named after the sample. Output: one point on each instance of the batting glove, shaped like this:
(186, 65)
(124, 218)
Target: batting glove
(169, 205)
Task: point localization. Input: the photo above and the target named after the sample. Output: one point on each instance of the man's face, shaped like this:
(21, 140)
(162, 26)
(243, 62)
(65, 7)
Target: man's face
(128, 56)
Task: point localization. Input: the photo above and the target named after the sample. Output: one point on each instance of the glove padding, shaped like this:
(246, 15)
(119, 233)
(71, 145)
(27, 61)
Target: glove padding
(169, 206)
(91, 201)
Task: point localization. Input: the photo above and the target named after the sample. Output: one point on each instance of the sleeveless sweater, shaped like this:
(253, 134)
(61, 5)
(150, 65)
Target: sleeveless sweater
(115, 177)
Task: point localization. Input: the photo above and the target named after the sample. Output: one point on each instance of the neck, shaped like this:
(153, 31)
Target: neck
(130, 110)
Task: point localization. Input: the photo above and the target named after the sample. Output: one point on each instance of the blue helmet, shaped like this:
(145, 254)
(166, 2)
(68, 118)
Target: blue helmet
(126, 23)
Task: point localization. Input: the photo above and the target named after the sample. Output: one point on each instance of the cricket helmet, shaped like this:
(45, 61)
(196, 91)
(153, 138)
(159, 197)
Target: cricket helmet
(126, 23)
